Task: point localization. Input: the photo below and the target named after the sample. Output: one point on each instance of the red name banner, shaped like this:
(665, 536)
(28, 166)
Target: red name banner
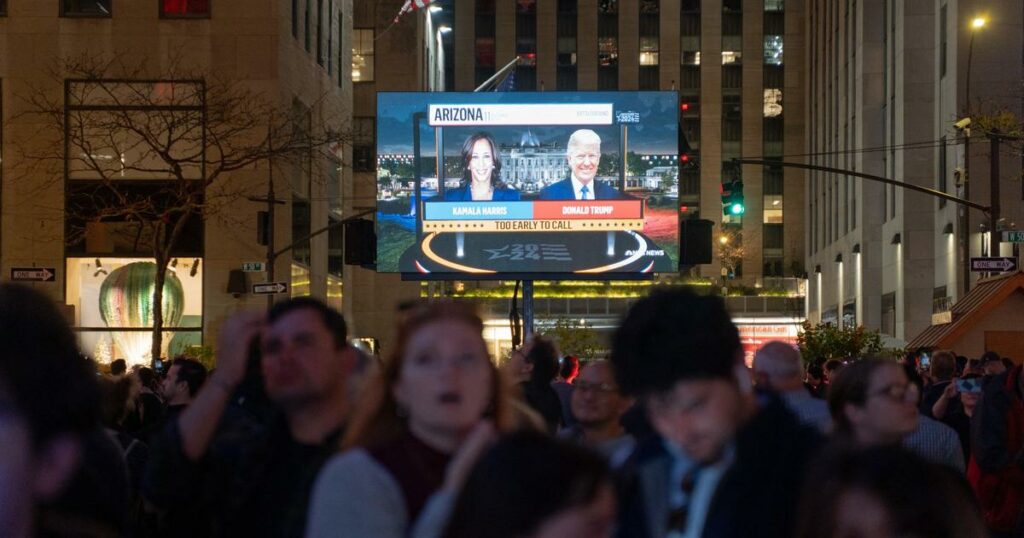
(588, 209)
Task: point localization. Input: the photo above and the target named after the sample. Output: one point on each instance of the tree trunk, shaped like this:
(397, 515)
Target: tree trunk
(158, 307)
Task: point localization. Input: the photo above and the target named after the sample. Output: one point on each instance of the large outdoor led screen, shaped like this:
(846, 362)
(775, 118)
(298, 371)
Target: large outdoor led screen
(485, 185)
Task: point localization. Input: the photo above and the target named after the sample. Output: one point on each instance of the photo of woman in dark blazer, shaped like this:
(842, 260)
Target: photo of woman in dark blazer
(481, 173)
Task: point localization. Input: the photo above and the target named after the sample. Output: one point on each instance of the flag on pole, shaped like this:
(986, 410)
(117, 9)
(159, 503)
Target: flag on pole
(411, 5)
(508, 84)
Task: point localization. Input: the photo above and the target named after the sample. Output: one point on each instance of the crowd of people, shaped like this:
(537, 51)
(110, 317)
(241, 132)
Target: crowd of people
(297, 433)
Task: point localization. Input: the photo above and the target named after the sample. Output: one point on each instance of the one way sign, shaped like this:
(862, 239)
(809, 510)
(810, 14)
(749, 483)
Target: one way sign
(989, 265)
(33, 274)
(269, 288)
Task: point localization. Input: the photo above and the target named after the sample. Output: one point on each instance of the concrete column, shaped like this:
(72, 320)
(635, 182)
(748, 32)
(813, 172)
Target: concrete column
(465, 45)
(547, 44)
(629, 44)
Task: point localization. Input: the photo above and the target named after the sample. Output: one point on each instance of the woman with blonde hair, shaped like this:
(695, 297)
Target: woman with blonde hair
(422, 423)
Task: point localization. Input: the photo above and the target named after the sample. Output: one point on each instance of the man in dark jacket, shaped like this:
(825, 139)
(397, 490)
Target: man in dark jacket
(722, 464)
(254, 476)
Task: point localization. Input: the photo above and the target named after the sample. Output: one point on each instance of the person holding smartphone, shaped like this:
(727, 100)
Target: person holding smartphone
(943, 372)
(967, 391)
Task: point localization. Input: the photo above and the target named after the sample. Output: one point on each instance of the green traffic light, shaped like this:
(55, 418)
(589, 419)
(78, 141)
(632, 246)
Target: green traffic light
(737, 209)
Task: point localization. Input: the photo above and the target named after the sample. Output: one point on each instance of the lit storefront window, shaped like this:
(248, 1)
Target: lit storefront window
(112, 299)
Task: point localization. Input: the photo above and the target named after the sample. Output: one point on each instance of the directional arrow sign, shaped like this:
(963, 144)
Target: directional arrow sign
(33, 274)
(269, 288)
(988, 265)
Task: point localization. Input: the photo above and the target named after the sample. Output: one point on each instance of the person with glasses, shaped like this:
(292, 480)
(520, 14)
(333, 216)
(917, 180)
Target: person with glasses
(598, 405)
(584, 155)
(873, 403)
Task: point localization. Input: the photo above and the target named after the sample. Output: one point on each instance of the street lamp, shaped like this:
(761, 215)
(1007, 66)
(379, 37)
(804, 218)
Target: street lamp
(977, 24)
(723, 240)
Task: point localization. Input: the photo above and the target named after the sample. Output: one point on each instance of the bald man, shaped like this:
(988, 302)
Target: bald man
(778, 369)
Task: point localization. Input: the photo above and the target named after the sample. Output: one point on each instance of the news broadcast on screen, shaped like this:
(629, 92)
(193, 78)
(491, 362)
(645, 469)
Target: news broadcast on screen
(483, 185)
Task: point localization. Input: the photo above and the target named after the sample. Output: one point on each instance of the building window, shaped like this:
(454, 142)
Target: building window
(302, 226)
(309, 27)
(943, 41)
(850, 314)
(689, 74)
(362, 55)
(3, 8)
(772, 103)
(774, 237)
(773, 249)
(566, 29)
(732, 124)
(330, 38)
(607, 52)
(608, 45)
(113, 315)
(773, 50)
(341, 45)
(649, 44)
(773, 209)
(484, 45)
(943, 171)
(889, 314)
(295, 19)
(648, 51)
(732, 78)
(364, 157)
(85, 8)
(336, 249)
(320, 32)
(184, 8)
(526, 45)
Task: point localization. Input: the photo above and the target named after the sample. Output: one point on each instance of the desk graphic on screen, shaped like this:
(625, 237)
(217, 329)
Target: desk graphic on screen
(487, 184)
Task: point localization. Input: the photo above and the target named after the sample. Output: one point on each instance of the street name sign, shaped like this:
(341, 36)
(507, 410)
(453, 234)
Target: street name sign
(269, 288)
(1013, 236)
(33, 274)
(254, 267)
(988, 265)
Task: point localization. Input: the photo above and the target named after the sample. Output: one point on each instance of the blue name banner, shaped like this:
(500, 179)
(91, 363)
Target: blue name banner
(521, 210)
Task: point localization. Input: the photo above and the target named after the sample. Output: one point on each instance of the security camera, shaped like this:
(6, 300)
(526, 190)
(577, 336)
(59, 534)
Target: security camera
(962, 124)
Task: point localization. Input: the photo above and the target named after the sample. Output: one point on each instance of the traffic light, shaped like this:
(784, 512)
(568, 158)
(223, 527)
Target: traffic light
(732, 199)
(687, 156)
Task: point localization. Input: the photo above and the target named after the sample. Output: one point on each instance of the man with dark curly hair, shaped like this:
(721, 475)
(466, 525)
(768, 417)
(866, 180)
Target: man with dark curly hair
(723, 463)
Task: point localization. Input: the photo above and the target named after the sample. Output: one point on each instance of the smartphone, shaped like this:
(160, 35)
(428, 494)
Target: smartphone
(972, 385)
(926, 361)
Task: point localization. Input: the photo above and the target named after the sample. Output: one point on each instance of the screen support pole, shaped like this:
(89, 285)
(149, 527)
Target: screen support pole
(527, 309)
(417, 204)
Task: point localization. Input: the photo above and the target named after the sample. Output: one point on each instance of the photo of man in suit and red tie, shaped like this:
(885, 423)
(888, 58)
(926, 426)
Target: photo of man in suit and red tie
(584, 155)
